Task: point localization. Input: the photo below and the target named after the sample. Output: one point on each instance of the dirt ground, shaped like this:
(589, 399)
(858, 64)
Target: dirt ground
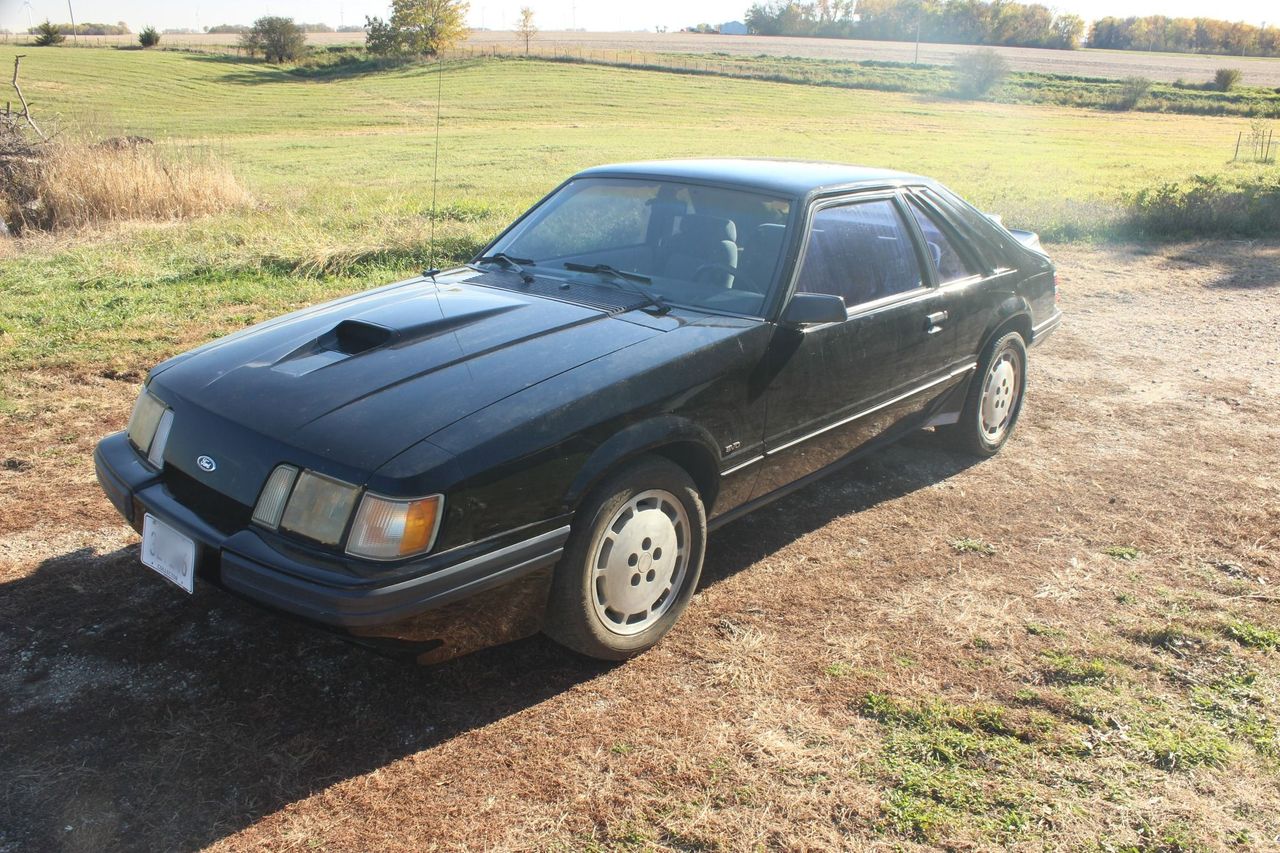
(1069, 646)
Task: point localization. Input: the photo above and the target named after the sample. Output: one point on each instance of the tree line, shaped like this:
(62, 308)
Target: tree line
(1002, 22)
(86, 28)
(950, 21)
(1185, 35)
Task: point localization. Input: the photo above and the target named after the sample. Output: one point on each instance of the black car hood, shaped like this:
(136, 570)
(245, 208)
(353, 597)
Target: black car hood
(360, 379)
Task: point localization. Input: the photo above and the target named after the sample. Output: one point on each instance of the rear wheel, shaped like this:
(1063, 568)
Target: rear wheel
(994, 400)
(630, 568)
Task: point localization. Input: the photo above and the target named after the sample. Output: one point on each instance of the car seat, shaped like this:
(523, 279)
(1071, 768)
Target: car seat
(704, 249)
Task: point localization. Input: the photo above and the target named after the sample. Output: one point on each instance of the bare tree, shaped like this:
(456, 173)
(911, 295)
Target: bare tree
(12, 122)
(18, 133)
(525, 28)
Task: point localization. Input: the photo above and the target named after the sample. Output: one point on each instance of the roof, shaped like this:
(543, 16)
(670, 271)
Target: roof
(795, 178)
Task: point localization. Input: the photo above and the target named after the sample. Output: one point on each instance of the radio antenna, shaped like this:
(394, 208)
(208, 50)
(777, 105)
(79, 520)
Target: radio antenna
(435, 169)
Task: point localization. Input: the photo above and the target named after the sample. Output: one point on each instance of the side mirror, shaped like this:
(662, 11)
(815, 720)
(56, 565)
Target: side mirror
(811, 309)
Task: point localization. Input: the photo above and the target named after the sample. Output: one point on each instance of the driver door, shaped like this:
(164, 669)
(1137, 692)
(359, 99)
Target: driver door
(837, 386)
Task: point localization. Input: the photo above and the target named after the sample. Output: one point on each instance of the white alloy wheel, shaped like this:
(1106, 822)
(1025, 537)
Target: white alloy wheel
(1000, 390)
(639, 561)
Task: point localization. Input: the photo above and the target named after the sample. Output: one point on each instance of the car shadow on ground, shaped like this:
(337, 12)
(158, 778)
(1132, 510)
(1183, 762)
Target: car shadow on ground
(136, 717)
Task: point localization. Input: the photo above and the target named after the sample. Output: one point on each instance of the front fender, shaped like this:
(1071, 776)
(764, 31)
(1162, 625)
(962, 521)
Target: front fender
(656, 433)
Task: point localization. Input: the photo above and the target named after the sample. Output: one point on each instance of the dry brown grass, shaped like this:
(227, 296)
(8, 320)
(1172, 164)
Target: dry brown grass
(70, 185)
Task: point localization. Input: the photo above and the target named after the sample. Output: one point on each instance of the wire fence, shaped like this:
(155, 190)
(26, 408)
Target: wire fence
(778, 69)
(1257, 144)
(721, 64)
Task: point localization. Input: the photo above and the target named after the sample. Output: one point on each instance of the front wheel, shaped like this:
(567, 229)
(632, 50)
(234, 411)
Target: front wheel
(994, 401)
(630, 568)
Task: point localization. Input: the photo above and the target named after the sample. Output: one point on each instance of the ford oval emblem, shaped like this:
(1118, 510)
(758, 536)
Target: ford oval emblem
(206, 463)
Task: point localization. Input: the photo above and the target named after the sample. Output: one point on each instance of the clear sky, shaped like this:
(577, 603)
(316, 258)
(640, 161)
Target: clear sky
(550, 14)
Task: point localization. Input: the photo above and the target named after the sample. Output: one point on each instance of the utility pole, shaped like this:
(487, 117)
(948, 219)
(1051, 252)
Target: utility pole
(919, 15)
(75, 39)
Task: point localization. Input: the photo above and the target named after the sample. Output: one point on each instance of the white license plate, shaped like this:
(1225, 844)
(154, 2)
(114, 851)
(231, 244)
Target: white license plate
(168, 552)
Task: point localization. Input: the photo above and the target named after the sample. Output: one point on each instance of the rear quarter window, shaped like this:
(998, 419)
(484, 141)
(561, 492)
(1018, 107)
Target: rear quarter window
(949, 261)
(991, 242)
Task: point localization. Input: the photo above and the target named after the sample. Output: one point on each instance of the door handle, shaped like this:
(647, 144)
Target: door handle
(934, 321)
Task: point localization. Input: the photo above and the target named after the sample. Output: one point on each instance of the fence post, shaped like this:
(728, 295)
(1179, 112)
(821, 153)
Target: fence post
(1236, 156)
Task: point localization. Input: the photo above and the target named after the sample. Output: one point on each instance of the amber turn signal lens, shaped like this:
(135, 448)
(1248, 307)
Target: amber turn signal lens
(419, 526)
(388, 529)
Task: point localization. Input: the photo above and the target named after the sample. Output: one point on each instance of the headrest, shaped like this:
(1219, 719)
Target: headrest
(708, 229)
(770, 234)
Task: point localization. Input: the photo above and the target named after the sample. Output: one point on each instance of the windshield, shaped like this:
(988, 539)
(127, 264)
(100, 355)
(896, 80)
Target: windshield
(688, 244)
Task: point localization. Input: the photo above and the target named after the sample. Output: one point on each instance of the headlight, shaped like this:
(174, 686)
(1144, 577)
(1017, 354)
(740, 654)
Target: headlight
(149, 427)
(388, 529)
(319, 507)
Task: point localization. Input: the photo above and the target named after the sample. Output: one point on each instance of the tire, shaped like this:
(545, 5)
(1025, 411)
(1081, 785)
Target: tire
(994, 399)
(631, 563)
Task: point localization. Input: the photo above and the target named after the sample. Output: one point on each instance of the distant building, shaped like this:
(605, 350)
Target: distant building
(733, 28)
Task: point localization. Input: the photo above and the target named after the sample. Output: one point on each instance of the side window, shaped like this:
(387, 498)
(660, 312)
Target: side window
(860, 252)
(950, 264)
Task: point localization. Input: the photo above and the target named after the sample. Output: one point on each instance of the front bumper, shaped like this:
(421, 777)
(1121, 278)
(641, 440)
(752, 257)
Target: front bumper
(244, 563)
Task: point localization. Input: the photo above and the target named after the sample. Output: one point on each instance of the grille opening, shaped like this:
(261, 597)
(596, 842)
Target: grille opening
(222, 512)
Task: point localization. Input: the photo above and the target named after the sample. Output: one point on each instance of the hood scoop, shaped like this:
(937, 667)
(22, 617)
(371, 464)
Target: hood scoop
(348, 338)
(391, 327)
(352, 337)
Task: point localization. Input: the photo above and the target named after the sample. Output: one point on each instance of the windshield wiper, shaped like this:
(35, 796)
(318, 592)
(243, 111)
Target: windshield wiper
(623, 279)
(605, 269)
(516, 265)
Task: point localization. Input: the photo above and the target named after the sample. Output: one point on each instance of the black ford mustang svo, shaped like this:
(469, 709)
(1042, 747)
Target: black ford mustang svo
(541, 440)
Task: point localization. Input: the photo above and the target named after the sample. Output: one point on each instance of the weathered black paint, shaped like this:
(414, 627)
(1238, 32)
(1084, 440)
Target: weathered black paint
(515, 404)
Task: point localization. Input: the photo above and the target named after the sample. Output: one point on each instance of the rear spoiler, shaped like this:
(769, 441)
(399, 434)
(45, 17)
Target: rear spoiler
(1030, 239)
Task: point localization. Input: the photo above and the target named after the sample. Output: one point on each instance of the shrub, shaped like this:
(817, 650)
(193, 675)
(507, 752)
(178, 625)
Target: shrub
(149, 37)
(276, 38)
(72, 185)
(48, 34)
(1225, 79)
(1239, 205)
(978, 72)
(1132, 91)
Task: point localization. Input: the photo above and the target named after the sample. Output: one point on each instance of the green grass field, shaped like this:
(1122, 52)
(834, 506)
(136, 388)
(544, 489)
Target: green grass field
(341, 167)
(1020, 87)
